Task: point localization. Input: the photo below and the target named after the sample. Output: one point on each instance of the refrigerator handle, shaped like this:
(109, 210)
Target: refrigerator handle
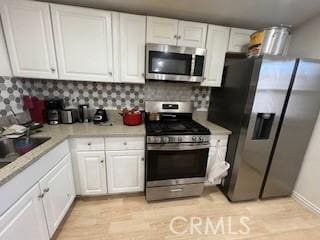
(263, 126)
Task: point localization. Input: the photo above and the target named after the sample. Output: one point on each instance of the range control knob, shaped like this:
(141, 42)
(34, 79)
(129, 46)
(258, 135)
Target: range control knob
(200, 139)
(179, 139)
(165, 139)
(194, 139)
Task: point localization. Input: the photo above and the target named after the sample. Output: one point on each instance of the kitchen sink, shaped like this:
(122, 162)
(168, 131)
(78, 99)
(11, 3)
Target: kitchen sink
(11, 149)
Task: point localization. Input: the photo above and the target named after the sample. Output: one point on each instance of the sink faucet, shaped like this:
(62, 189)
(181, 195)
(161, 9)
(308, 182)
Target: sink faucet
(1, 130)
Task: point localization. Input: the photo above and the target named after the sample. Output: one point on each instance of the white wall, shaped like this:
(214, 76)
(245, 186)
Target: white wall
(305, 42)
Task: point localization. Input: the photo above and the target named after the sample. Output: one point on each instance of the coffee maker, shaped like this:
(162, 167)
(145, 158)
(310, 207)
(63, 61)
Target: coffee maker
(53, 107)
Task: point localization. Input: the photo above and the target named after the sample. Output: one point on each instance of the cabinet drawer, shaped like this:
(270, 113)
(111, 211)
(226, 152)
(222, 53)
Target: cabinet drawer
(88, 144)
(124, 143)
(221, 139)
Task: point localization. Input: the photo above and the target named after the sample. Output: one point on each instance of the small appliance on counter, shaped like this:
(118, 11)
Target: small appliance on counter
(131, 117)
(54, 106)
(36, 109)
(100, 116)
(84, 115)
(69, 116)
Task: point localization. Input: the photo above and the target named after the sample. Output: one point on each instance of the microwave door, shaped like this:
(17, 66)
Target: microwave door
(166, 62)
(169, 63)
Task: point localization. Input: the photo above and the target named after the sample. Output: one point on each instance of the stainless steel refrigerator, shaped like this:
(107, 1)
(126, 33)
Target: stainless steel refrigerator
(270, 104)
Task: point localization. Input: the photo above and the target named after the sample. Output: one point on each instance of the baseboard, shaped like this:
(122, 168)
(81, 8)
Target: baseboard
(305, 202)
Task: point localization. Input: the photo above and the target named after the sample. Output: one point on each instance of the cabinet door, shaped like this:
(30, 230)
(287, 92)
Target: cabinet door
(192, 34)
(132, 47)
(83, 39)
(162, 30)
(125, 171)
(58, 189)
(217, 45)
(92, 172)
(5, 68)
(239, 40)
(28, 33)
(25, 219)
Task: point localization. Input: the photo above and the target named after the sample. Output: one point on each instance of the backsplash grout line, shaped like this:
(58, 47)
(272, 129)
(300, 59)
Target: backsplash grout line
(97, 94)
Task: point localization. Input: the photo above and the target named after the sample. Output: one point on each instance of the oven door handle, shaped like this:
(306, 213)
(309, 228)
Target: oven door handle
(176, 147)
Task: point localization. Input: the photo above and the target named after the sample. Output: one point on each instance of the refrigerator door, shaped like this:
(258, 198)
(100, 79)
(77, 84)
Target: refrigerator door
(229, 107)
(298, 122)
(257, 136)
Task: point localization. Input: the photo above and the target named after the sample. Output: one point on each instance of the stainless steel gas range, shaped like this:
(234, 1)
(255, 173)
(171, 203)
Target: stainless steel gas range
(177, 151)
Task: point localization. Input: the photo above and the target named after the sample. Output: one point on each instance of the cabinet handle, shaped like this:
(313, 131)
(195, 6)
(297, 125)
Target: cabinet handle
(142, 159)
(41, 195)
(125, 143)
(175, 36)
(101, 161)
(179, 37)
(46, 190)
(110, 73)
(142, 74)
(176, 190)
(89, 144)
(53, 70)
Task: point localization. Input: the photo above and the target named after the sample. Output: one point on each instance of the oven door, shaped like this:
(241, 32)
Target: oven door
(171, 164)
(165, 62)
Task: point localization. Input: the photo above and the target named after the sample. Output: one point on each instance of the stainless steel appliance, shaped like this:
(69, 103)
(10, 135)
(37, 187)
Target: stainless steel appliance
(166, 62)
(84, 114)
(100, 116)
(53, 108)
(69, 116)
(271, 40)
(177, 152)
(270, 104)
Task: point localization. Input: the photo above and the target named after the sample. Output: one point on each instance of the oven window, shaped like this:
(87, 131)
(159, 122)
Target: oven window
(163, 165)
(169, 63)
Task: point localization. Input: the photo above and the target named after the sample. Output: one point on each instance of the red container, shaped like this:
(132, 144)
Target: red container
(132, 118)
(36, 108)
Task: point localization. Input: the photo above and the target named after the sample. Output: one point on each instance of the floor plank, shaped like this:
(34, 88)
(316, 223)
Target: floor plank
(131, 217)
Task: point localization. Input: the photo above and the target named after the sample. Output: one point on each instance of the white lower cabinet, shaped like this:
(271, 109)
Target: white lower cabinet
(125, 171)
(92, 172)
(25, 220)
(58, 193)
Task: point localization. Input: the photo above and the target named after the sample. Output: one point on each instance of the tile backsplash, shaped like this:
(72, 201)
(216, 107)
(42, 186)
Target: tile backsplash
(108, 95)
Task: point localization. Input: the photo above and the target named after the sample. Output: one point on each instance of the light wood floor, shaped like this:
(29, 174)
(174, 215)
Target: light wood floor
(131, 217)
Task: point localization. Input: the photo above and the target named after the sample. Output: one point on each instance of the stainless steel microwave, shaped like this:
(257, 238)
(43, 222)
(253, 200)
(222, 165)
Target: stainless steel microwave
(175, 63)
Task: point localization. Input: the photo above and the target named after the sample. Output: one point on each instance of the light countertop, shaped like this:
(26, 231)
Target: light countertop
(59, 133)
(201, 117)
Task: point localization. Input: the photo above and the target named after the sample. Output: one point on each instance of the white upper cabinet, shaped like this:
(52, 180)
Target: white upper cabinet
(132, 48)
(58, 193)
(5, 68)
(239, 40)
(83, 39)
(28, 32)
(92, 172)
(25, 219)
(162, 30)
(125, 171)
(217, 46)
(192, 34)
(174, 32)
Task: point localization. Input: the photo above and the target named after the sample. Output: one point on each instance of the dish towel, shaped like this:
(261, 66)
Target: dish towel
(217, 171)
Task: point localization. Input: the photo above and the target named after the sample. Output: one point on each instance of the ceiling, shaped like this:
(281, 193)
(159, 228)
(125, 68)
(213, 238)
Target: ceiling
(237, 13)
